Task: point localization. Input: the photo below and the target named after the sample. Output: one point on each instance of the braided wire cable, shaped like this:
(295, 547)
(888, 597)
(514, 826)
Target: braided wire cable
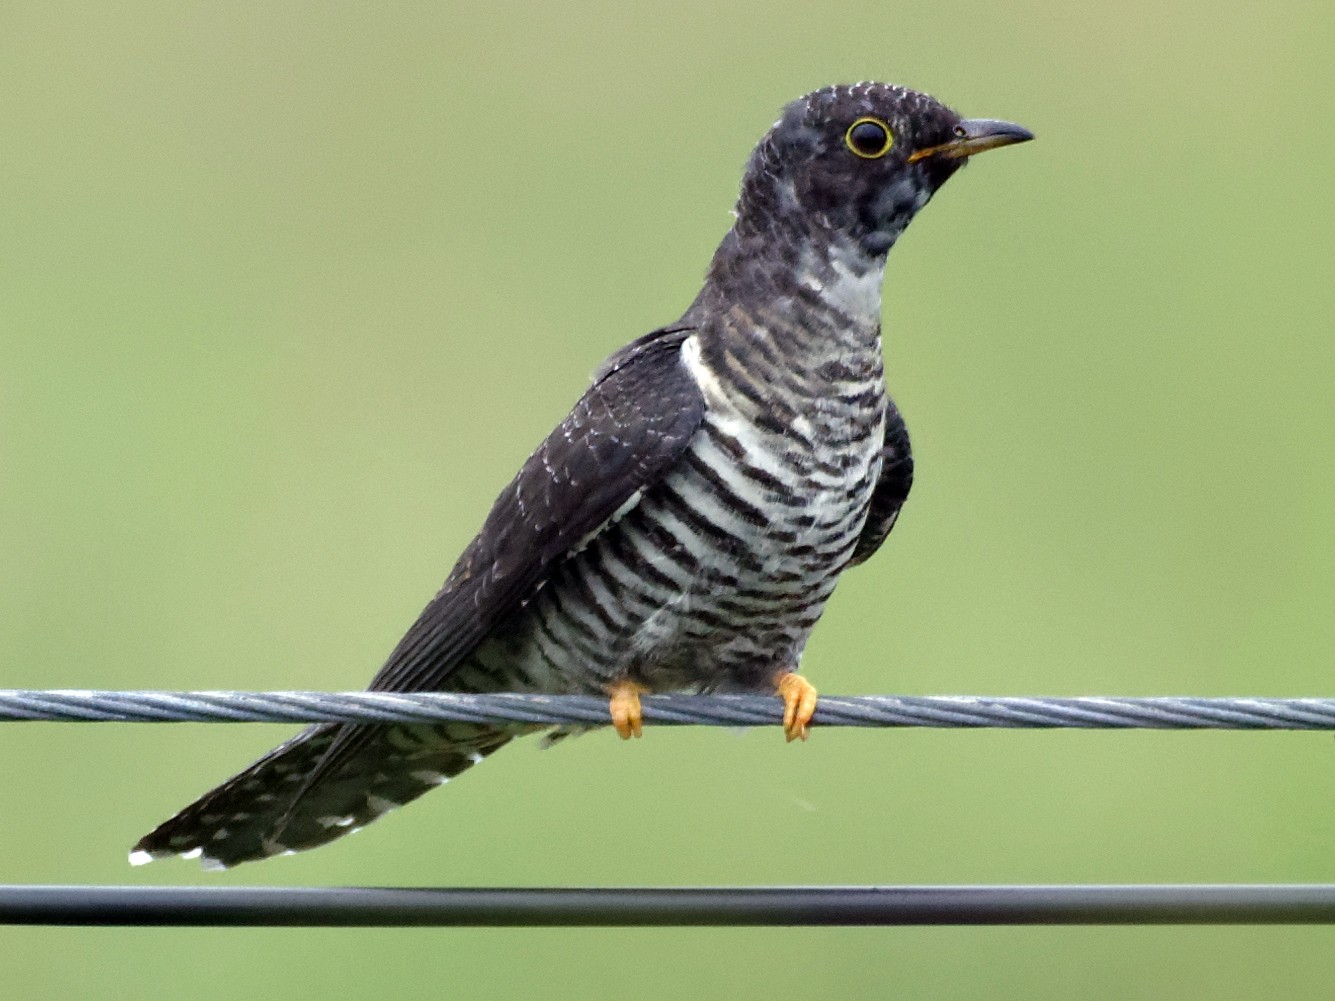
(967, 711)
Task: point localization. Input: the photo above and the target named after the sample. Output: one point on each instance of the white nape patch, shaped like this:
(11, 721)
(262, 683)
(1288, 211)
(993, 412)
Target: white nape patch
(474, 757)
(379, 805)
(429, 778)
(140, 857)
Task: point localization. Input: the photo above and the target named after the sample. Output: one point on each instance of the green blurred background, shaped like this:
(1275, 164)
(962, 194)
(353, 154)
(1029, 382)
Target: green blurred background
(288, 291)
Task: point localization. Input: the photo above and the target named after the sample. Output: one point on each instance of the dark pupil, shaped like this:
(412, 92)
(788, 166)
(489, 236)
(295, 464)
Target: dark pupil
(868, 137)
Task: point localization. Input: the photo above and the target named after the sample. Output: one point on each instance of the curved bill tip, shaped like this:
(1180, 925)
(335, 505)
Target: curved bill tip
(976, 135)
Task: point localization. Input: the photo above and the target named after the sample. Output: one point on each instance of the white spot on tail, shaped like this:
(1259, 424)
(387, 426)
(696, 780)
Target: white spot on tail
(475, 757)
(379, 805)
(141, 857)
(336, 821)
(429, 778)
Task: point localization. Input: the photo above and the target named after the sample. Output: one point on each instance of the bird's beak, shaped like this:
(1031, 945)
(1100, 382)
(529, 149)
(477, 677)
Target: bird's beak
(974, 135)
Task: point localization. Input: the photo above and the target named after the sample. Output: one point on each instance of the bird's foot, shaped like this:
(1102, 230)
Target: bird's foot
(624, 705)
(799, 704)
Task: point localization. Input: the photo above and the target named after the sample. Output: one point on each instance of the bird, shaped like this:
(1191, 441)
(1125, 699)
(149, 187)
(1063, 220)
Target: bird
(685, 524)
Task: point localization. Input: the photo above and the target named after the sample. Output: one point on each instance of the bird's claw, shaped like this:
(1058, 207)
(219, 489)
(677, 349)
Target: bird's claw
(799, 704)
(624, 706)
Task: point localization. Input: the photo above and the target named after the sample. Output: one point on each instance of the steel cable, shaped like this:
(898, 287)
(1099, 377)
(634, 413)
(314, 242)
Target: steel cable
(971, 711)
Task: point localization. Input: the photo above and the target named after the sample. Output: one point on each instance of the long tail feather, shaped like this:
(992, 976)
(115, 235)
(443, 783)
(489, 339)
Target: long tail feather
(274, 807)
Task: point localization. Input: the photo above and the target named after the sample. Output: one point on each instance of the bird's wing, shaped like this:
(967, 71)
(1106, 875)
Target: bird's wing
(631, 425)
(892, 488)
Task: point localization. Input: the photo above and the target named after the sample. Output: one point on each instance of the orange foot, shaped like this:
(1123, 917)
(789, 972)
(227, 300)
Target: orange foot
(799, 704)
(624, 705)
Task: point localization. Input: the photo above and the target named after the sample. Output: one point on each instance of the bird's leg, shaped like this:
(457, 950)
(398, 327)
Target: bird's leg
(799, 704)
(624, 705)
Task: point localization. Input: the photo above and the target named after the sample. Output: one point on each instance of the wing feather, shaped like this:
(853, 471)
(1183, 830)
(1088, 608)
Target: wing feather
(892, 487)
(631, 425)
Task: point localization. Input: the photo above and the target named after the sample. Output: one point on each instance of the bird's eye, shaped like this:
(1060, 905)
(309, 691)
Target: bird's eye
(869, 138)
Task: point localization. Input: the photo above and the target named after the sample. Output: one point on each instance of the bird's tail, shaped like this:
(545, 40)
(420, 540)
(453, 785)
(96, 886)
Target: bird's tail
(328, 781)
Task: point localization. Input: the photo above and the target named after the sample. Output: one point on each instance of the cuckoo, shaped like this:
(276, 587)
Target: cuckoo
(684, 526)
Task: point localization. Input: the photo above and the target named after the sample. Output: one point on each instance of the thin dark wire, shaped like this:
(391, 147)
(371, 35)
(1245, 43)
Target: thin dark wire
(656, 907)
(1087, 712)
(642, 906)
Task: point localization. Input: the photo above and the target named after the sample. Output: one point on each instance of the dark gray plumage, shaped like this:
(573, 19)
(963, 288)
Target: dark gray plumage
(686, 523)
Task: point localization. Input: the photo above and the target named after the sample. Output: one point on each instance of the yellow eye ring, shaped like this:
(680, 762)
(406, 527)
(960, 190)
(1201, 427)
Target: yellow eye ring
(869, 138)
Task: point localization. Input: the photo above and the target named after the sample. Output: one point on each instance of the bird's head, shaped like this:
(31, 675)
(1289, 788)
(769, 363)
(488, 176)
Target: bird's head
(858, 161)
